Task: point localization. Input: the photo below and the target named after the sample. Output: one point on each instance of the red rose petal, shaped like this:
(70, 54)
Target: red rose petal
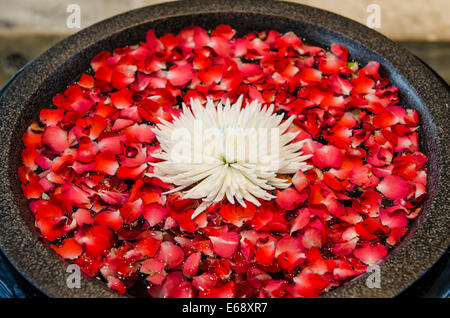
(75, 196)
(180, 75)
(204, 282)
(225, 244)
(113, 219)
(301, 221)
(363, 176)
(155, 270)
(170, 254)
(370, 254)
(393, 187)
(106, 163)
(130, 211)
(122, 98)
(191, 264)
(289, 198)
(237, 215)
(154, 213)
(55, 138)
(69, 249)
(225, 291)
(327, 157)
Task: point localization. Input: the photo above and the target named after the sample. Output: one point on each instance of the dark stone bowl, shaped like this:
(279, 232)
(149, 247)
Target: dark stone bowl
(33, 88)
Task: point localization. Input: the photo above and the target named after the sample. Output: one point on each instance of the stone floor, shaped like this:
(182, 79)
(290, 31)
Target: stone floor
(17, 50)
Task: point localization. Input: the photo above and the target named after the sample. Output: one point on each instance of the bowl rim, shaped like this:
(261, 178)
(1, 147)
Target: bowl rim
(40, 266)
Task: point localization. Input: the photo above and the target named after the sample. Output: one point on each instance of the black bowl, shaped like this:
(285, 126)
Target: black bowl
(33, 88)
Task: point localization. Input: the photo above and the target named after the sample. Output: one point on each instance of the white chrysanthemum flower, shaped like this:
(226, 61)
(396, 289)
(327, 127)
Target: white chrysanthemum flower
(231, 151)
